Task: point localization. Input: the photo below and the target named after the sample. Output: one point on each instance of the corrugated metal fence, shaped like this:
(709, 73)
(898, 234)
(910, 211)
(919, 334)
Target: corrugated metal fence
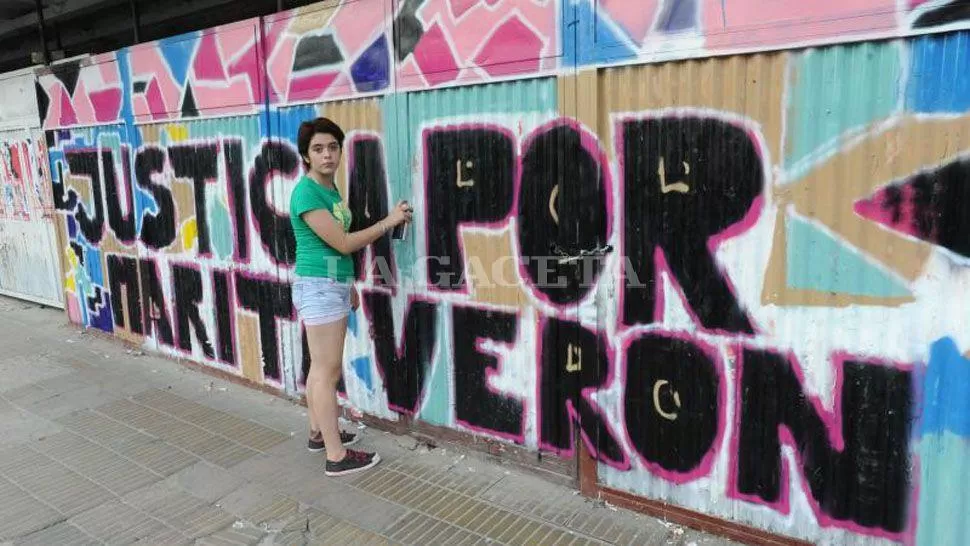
(737, 284)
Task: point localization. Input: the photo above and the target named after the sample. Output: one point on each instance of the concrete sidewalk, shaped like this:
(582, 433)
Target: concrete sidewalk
(100, 444)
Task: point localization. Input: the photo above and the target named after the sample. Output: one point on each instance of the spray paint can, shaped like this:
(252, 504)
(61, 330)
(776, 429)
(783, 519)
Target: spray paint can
(400, 231)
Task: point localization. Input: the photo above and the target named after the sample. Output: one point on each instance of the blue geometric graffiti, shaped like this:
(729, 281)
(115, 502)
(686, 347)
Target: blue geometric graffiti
(946, 391)
(362, 369)
(372, 70)
(939, 80)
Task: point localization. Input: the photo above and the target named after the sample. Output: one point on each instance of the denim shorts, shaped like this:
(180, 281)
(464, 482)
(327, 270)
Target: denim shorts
(321, 300)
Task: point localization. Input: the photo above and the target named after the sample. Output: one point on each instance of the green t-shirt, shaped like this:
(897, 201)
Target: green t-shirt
(314, 257)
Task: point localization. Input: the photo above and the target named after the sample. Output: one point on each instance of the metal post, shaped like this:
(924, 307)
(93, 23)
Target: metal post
(279, 5)
(135, 21)
(40, 27)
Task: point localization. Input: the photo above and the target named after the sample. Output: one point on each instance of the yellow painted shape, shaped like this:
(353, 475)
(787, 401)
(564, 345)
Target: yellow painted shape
(190, 234)
(177, 132)
(70, 281)
(183, 193)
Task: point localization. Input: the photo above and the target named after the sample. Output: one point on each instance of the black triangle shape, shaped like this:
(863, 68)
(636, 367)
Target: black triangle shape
(189, 109)
(314, 51)
(43, 101)
(958, 10)
(68, 74)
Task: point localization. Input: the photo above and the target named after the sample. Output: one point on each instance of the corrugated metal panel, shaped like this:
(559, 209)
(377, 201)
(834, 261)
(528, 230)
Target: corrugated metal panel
(18, 102)
(791, 358)
(29, 267)
(803, 210)
(470, 143)
(96, 215)
(360, 180)
(226, 262)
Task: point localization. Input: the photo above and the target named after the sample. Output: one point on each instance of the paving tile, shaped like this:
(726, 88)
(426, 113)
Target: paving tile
(364, 510)
(469, 478)
(54, 484)
(280, 514)
(130, 414)
(26, 369)
(206, 521)
(18, 427)
(205, 481)
(62, 403)
(234, 535)
(284, 476)
(249, 499)
(616, 526)
(102, 466)
(178, 509)
(292, 538)
(101, 429)
(325, 529)
(157, 456)
(57, 535)
(531, 496)
(163, 400)
(458, 510)
(243, 431)
(25, 395)
(21, 514)
(228, 470)
(421, 529)
(118, 523)
(165, 538)
(225, 453)
(146, 450)
(63, 383)
(167, 503)
(13, 458)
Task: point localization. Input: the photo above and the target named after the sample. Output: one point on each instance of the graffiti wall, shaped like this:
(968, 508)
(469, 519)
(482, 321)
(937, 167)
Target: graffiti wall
(340, 49)
(740, 281)
(29, 266)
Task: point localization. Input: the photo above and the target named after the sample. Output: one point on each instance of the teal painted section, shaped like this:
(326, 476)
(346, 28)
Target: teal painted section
(816, 261)
(834, 91)
(524, 96)
(944, 498)
(397, 149)
(437, 396)
(220, 225)
(524, 100)
(245, 128)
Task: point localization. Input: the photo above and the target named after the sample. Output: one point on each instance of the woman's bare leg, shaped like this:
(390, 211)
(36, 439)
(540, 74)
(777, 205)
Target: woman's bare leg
(314, 427)
(326, 358)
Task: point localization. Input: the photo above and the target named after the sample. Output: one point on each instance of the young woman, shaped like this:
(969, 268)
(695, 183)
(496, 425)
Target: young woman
(323, 291)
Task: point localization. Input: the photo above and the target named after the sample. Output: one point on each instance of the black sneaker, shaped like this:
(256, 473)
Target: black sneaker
(353, 461)
(315, 443)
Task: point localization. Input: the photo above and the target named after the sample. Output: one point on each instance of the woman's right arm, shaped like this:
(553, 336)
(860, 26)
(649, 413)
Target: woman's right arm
(326, 227)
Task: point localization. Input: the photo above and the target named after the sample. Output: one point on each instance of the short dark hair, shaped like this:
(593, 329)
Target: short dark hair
(313, 126)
